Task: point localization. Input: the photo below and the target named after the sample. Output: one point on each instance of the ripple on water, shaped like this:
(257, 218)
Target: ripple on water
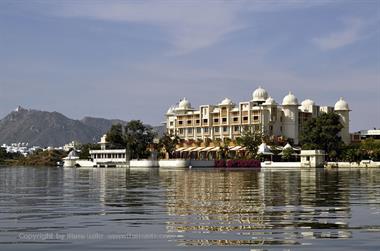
(189, 208)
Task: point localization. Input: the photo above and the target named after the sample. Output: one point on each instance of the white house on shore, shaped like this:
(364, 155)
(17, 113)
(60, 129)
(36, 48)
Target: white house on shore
(262, 113)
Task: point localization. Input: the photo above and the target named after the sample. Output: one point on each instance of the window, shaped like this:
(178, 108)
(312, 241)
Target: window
(189, 122)
(180, 122)
(224, 119)
(171, 123)
(197, 121)
(281, 128)
(236, 119)
(205, 129)
(199, 130)
(180, 131)
(225, 128)
(255, 117)
(245, 118)
(205, 121)
(216, 120)
(236, 128)
(216, 129)
(190, 130)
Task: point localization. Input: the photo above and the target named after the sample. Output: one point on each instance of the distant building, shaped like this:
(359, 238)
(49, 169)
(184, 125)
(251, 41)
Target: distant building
(108, 157)
(262, 113)
(365, 134)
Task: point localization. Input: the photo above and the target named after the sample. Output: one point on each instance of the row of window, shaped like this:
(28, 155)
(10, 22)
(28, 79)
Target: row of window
(109, 156)
(206, 130)
(216, 120)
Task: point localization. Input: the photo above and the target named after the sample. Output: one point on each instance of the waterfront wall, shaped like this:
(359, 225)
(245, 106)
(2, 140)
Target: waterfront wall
(362, 164)
(174, 163)
(143, 163)
(202, 163)
(271, 164)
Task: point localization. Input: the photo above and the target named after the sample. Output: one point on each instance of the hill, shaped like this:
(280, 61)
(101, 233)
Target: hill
(50, 128)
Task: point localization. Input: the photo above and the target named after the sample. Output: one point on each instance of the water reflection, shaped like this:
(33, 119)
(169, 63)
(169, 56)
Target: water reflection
(193, 208)
(231, 208)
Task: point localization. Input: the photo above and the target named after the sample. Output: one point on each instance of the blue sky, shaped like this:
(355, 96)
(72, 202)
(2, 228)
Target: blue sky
(134, 59)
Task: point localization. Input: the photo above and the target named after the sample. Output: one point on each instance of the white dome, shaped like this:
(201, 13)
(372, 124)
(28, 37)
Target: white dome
(341, 105)
(184, 104)
(270, 101)
(307, 102)
(259, 94)
(287, 146)
(170, 110)
(263, 149)
(226, 101)
(290, 99)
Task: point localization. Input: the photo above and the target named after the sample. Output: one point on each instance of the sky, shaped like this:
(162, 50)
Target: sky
(135, 59)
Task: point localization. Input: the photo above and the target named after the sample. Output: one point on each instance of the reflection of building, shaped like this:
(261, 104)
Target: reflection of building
(229, 120)
(255, 208)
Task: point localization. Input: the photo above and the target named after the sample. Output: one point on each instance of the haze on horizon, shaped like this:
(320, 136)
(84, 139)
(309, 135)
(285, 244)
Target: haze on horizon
(134, 59)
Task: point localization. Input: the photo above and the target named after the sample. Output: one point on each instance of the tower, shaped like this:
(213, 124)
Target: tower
(290, 118)
(342, 109)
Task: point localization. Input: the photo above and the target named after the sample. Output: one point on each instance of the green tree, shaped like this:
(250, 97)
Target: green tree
(207, 142)
(85, 150)
(287, 154)
(370, 149)
(137, 139)
(251, 141)
(322, 133)
(351, 153)
(168, 143)
(115, 137)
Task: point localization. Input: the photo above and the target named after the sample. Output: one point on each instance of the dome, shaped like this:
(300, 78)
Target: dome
(259, 94)
(270, 101)
(307, 102)
(287, 146)
(290, 99)
(341, 105)
(184, 104)
(226, 101)
(73, 155)
(170, 110)
(264, 149)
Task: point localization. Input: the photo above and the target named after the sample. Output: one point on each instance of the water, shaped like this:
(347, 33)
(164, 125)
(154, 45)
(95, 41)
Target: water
(149, 209)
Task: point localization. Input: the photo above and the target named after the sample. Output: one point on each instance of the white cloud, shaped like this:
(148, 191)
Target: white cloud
(188, 25)
(351, 34)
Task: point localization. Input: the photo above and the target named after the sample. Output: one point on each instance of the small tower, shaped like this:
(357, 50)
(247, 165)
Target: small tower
(290, 119)
(342, 109)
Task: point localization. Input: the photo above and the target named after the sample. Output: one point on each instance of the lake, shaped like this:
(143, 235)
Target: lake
(192, 209)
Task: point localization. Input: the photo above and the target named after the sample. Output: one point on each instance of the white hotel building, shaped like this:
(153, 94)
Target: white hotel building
(228, 119)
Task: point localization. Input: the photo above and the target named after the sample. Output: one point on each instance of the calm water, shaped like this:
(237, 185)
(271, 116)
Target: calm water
(151, 209)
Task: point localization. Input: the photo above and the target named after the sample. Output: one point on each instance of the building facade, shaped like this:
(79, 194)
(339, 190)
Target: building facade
(261, 113)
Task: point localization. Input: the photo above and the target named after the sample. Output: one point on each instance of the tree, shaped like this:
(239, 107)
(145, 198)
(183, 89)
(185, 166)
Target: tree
(251, 141)
(169, 143)
(322, 133)
(207, 142)
(370, 149)
(287, 154)
(351, 153)
(137, 139)
(85, 150)
(115, 137)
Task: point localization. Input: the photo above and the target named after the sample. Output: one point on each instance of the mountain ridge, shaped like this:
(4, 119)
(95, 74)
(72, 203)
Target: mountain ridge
(45, 128)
